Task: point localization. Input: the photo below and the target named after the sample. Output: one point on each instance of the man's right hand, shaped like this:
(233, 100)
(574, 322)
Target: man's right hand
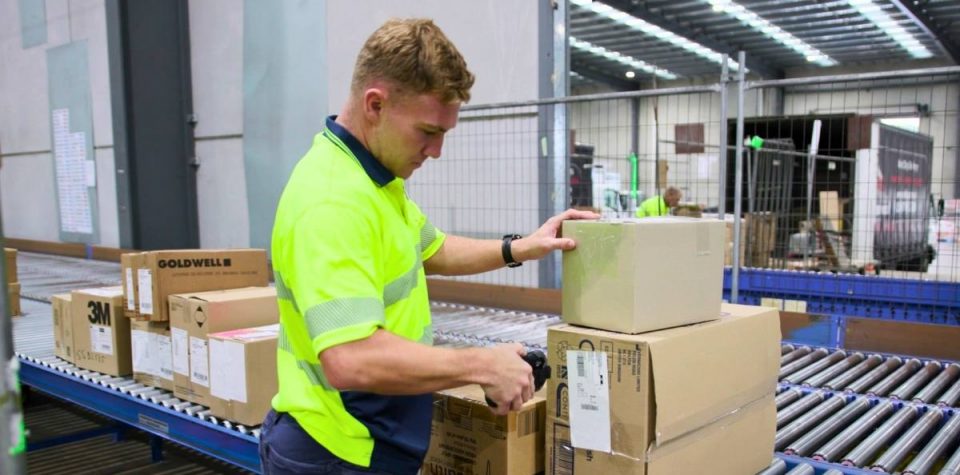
(511, 382)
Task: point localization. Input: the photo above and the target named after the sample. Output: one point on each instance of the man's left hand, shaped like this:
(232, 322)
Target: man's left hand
(547, 239)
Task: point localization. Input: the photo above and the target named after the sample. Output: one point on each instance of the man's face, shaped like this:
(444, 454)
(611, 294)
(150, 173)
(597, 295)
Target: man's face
(411, 130)
(672, 200)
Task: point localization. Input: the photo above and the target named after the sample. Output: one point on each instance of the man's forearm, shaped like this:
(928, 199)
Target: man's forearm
(388, 364)
(465, 256)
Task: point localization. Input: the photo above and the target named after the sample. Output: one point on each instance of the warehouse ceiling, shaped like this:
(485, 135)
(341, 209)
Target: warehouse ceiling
(668, 39)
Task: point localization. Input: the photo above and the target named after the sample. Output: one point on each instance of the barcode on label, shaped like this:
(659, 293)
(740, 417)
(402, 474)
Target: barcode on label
(580, 369)
(589, 407)
(563, 458)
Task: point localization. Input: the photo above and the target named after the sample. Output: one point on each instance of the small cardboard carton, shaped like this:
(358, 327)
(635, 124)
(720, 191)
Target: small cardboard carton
(466, 438)
(243, 373)
(196, 315)
(164, 273)
(101, 333)
(640, 275)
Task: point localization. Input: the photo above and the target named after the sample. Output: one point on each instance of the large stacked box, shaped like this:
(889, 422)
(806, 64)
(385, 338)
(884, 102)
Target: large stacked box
(196, 315)
(666, 381)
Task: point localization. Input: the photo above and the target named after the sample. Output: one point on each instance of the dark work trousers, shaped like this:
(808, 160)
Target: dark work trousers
(286, 449)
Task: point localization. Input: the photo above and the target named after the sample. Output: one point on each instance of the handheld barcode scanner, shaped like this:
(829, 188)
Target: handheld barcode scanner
(541, 371)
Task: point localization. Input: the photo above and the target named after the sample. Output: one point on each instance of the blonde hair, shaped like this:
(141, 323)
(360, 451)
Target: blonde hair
(416, 57)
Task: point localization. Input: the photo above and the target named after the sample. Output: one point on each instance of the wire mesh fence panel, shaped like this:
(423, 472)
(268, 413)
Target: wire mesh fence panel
(874, 183)
(841, 175)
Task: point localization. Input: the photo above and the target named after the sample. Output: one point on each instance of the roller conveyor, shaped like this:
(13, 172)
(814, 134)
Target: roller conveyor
(828, 412)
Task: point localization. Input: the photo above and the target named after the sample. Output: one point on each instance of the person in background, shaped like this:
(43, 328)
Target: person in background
(356, 365)
(659, 205)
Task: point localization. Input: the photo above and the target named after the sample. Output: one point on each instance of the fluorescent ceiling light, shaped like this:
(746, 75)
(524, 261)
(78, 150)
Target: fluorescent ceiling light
(630, 61)
(885, 22)
(754, 21)
(652, 30)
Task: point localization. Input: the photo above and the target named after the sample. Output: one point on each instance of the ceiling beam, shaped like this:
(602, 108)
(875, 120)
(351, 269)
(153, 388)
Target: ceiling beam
(603, 77)
(919, 16)
(638, 10)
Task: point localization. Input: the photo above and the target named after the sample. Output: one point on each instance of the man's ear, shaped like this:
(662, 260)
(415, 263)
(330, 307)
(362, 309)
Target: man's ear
(373, 103)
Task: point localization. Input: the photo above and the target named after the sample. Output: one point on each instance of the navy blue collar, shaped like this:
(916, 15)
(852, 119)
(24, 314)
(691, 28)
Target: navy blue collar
(375, 170)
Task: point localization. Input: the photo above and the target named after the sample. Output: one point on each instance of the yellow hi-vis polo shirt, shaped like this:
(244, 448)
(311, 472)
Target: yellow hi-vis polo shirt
(653, 206)
(348, 248)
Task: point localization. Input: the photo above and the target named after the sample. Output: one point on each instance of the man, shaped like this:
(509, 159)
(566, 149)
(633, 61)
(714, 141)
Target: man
(350, 252)
(659, 205)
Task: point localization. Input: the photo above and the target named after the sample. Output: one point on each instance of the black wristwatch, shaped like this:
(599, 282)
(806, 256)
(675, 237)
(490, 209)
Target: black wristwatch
(505, 250)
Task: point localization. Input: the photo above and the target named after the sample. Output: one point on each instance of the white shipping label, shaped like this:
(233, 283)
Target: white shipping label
(139, 350)
(101, 339)
(181, 351)
(199, 362)
(228, 375)
(589, 396)
(164, 357)
(131, 303)
(145, 287)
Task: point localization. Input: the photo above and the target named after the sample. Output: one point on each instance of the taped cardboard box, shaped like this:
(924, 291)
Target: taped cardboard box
(129, 264)
(10, 260)
(639, 275)
(13, 296)
(101, 333)
(196, 315)
(466, 438)
(152, 354)
(645, 396)
(62, 327)
(243, 373)
(166, 273)
(738, 444)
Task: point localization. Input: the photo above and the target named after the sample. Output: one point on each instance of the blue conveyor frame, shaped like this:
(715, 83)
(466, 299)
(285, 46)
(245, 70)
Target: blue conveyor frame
(205, 437)
(852, 295)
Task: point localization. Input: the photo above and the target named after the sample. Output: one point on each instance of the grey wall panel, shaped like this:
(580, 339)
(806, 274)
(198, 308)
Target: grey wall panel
(107, 198)
(29, 200)
(284, 98)
(498, 38)
(33, 22)
(222, 194)
(88, 22)
(24, 126)
(58, 23)
(67, 78)
(216, 58)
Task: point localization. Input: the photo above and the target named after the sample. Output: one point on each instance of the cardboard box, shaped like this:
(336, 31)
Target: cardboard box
(130, 263)
(638, 275)
(152, 354)
(691, 399)
(739, 444)
(196, 315)
(101, 333)
(10, 256)
(13, 295)
(243, 373)
(62, 327)
(166, 273)
(466, 438)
